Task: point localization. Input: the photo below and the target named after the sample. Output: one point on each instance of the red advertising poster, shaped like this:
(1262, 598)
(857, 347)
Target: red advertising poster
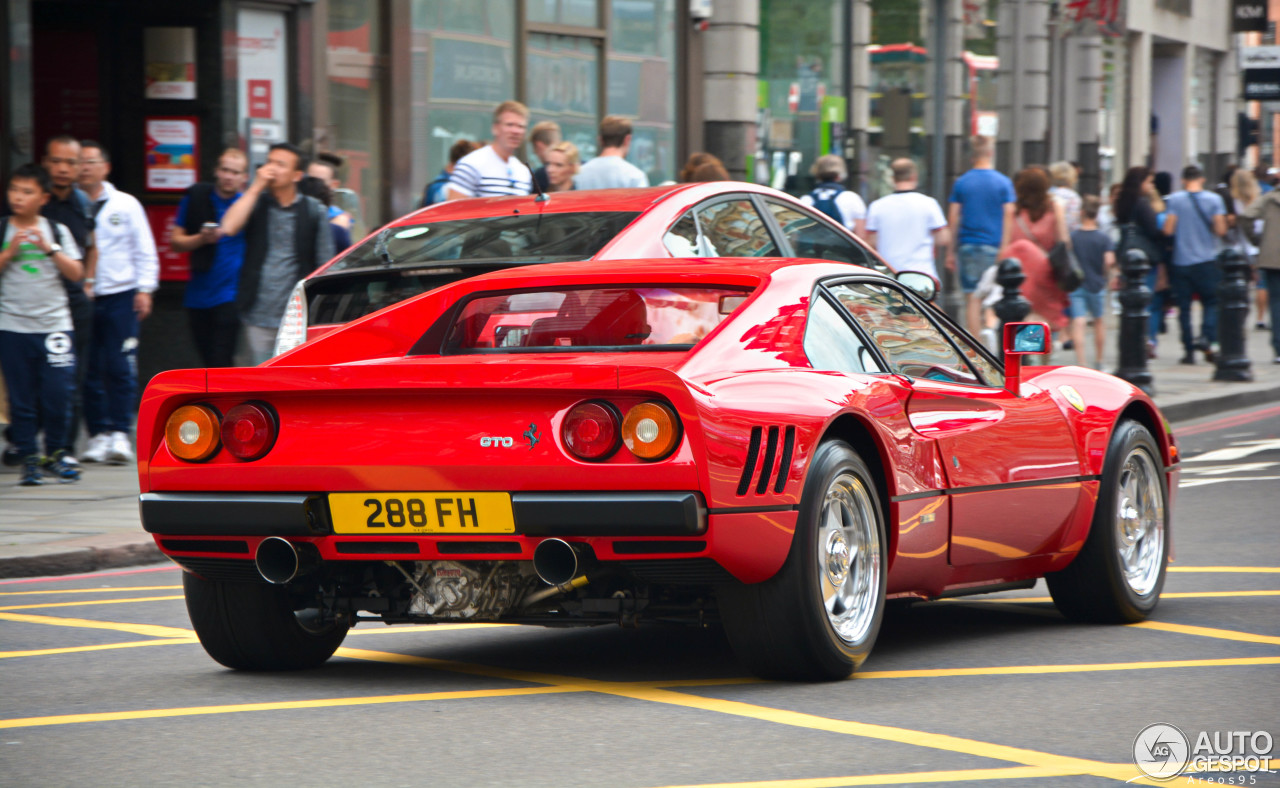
(173, 153)
(174, 266)
(259, 98)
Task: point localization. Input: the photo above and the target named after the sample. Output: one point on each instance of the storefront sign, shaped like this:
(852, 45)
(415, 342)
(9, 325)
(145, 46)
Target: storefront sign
(263, 91)
(1249, 16)
(1259, 57)
(172, 153)
(170, 54)
(1262, 84)
(470, 71)
(174, 266)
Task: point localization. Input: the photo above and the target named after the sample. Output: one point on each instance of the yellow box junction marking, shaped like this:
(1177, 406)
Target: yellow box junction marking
(43, 605)
(903, 778)
(1275, 570)
(90, 590)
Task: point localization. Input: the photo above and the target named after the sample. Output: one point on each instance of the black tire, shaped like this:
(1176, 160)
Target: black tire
(252, 626)
(781, 628)
(1118, 575)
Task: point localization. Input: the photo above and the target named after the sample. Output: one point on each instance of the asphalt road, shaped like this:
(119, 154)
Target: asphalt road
(102, 683)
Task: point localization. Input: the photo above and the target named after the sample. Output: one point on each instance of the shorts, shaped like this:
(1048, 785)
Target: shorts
(1086, 304)
(974, 260)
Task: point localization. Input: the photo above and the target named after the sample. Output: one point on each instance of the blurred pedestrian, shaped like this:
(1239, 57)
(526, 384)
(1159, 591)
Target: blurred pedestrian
(979, 218)
(832, 198)
(695, 161)
(494, 170)
(1039, 223)
(1244, 234)
(286, 236)
(610, 169)
(1197, 220)
(542, 137)
(344, 199)
(1267, 208)
(1097, 256)
(312, 186)
(69, 206)
(708, 172)
(326, 173)
(435, 191)
(561, 164)
(126, 275)
(1063, 174)
(1107, 214)
(210, 299)
(1138, 209)
(37, 357)
(906, 227)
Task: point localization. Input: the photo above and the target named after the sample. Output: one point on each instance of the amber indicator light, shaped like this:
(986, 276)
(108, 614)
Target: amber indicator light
(192, 433)
(651, 430)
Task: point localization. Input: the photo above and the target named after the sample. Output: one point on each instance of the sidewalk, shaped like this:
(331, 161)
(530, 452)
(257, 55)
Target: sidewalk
(93, 524)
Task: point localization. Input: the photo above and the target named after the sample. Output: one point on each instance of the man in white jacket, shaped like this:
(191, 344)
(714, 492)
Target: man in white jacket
(123, 280)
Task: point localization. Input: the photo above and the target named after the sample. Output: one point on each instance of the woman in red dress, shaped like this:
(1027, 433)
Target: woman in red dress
(1039, 223)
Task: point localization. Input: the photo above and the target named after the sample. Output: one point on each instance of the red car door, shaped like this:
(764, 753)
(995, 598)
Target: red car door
(1012, 467)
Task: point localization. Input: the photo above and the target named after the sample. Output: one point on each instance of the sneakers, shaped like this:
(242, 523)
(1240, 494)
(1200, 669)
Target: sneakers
(31, 476)
(99, 447)
(120, 451)
(62, 466)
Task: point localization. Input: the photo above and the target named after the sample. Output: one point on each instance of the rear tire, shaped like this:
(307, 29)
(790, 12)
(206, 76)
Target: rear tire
(1118, 575)
(252, 626)
(817, 619)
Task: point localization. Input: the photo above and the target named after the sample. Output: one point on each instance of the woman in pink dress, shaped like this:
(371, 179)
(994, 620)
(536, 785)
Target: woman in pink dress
(1039, 223)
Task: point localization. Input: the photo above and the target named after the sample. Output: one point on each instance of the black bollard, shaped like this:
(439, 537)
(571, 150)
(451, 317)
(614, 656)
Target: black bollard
(1135, 297)
(1233, 312)
(1012, 306)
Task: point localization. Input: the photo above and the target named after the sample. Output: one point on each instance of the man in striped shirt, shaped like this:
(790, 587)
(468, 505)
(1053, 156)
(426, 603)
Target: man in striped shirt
(494, 170)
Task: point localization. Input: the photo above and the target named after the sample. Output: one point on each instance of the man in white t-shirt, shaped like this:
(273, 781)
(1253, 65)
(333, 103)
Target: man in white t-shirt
(832, 198)
(611, 170)
(494, 170)
(906, 226)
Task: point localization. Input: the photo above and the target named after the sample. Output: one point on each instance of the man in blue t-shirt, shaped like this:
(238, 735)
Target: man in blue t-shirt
(979, 218)
(1197, 220)
(215, 259)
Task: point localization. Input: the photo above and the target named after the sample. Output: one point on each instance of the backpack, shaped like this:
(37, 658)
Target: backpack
(824, 199)
(434, 192)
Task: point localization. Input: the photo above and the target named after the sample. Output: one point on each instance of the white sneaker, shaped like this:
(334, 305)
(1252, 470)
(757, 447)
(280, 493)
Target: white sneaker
(99, 446)
(120, 452)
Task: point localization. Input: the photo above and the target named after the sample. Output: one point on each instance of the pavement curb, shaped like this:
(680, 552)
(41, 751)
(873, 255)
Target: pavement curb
(81, 560)
(1208, 406)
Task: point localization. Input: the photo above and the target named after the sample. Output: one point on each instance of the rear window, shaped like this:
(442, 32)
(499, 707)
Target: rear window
(514, 239)
(612, 318)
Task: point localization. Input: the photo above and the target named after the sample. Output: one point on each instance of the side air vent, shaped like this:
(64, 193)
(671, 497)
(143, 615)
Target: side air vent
(766, 464)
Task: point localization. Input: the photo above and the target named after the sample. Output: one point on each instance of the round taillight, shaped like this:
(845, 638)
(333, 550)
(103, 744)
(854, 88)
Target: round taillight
(590, 430)
(192, 433)
(249, 430)
(651, 430)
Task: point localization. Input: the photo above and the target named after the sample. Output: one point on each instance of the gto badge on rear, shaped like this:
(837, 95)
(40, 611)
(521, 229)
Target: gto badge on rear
(494, 440)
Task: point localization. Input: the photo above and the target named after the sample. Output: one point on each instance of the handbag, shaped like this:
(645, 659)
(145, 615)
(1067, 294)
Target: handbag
(1062, 262)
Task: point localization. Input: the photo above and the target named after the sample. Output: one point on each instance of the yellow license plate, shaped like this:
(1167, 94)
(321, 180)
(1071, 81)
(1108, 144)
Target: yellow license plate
(422, 513)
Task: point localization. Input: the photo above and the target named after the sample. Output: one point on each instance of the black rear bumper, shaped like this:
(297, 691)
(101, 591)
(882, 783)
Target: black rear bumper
(536, 514)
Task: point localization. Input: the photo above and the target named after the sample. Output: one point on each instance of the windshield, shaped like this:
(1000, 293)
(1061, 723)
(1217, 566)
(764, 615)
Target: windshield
(613, 318)
(515, 239)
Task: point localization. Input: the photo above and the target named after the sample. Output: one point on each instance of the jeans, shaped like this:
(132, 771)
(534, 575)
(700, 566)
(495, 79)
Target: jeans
(974, 260)
(112, 381)
(1199, 279)
(215, 330)
(39, 373)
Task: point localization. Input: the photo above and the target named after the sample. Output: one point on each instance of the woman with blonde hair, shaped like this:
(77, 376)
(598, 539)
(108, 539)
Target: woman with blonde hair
(562, 162)
(1063, 176)
(1245, 233)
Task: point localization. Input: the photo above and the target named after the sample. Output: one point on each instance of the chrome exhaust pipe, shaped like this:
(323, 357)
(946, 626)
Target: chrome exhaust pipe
(556, 561)
(561, 565)
(280, 561)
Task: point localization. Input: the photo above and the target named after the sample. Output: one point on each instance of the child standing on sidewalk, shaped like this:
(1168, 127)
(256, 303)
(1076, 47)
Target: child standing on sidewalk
(36, 337)
(1096, 253)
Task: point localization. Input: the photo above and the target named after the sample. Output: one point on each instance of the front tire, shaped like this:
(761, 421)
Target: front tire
(252, 626)
(818, 618)
(1118, 575)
